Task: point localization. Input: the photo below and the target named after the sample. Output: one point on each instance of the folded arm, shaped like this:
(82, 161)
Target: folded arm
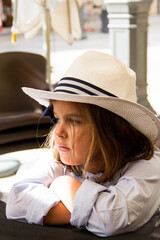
(65, 187)
(57, 215)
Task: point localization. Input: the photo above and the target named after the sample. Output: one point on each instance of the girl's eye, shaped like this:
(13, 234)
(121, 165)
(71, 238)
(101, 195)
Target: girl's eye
(74, 122)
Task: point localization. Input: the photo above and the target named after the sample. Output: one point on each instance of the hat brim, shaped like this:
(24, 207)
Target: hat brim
(137, 115)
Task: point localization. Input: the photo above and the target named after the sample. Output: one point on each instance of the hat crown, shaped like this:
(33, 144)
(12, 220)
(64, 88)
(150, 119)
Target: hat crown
(105, 72)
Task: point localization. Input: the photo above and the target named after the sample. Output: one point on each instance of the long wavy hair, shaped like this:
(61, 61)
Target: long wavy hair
(119, 142)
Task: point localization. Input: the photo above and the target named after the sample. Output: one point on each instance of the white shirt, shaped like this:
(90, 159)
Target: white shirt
(122, 205)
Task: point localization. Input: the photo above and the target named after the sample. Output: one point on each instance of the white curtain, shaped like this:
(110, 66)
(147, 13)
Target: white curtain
(64, 18)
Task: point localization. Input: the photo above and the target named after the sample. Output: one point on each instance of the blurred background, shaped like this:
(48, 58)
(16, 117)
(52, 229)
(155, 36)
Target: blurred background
(38, 41)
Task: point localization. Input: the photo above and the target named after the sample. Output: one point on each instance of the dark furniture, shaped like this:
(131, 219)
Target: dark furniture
(13, 230)
(20, 128)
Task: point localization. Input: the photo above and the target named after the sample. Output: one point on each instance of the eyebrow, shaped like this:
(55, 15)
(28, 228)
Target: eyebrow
(71, 115)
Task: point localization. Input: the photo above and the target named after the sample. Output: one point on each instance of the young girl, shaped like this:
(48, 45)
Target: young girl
(105, 171)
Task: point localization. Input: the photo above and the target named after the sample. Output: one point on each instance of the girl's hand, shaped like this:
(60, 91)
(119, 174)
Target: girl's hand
(66, 187)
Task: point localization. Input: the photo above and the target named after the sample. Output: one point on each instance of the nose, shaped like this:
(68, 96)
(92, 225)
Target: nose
(60, 130)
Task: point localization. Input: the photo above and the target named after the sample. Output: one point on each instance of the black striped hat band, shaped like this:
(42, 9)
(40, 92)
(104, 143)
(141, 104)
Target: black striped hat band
(76, 86)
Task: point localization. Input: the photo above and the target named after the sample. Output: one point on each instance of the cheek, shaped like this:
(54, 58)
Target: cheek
(82, 143)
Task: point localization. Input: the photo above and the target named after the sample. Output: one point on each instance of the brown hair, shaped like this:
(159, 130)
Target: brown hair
(119, 142)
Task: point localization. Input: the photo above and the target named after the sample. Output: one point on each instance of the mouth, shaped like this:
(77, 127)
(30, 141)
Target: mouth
(62, 148)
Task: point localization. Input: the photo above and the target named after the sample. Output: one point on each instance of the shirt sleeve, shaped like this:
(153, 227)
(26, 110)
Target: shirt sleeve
(30, 198)
(122, 207)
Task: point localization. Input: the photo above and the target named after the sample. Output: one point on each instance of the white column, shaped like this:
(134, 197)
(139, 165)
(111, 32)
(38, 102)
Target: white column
(128, 24)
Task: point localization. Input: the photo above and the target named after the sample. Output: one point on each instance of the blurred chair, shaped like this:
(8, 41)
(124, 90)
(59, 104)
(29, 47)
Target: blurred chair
(19, 114)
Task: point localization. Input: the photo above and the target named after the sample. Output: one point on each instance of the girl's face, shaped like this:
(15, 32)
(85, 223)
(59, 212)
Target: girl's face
(72, 132)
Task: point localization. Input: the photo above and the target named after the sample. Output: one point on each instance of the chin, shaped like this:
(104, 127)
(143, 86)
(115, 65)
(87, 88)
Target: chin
(66, 162)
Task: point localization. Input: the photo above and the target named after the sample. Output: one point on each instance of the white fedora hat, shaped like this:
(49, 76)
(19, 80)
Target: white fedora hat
(100, 79)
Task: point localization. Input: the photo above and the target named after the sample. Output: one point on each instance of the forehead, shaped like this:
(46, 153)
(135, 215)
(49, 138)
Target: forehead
(68, 106)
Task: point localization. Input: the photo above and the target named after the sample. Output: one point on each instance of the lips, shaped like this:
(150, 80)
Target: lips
(62, 148)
